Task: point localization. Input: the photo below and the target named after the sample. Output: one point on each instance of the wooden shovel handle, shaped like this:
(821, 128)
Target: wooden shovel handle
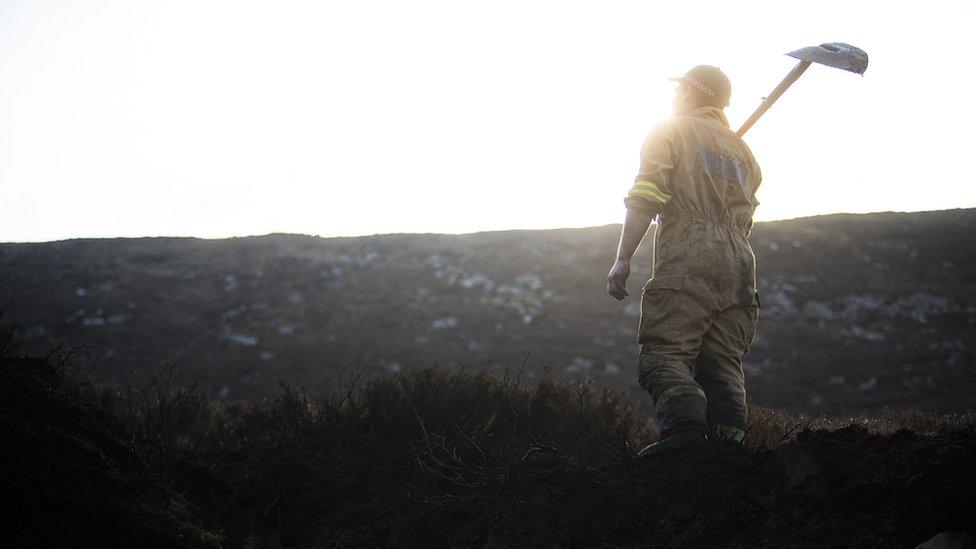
(778, 91)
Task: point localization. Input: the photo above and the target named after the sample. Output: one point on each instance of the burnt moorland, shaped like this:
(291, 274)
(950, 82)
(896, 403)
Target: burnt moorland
(439, 457)
(278, 391)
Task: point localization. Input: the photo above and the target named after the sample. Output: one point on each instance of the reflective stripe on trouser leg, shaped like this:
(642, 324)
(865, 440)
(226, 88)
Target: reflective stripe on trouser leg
(680, 402)
(675, 391)
(725, 432)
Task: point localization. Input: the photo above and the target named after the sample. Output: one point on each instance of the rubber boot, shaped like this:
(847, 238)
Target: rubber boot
(683, 426)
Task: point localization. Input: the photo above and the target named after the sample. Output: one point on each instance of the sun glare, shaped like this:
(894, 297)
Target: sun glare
(220, 119)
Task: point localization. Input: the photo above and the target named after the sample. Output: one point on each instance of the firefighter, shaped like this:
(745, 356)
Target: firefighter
(700, 308)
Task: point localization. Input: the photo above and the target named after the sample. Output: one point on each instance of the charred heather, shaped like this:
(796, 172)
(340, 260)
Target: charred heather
(445, 457)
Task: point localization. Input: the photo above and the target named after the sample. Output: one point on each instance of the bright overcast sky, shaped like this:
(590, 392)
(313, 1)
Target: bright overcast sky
(230, 118)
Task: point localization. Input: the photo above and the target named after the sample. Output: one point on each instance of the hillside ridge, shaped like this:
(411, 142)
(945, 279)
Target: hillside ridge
(836, 215)
(860, 311)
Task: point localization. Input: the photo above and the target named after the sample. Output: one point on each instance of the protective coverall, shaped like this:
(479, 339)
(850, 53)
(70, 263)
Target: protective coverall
(700, 309)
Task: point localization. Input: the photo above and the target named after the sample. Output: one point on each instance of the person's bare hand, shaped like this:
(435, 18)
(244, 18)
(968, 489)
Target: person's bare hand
(617, 279)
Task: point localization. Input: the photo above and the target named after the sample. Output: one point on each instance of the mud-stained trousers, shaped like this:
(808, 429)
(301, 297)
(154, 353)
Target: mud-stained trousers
(693, 336)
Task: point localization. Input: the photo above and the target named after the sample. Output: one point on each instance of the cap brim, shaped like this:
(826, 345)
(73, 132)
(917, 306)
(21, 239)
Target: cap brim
(676, 78)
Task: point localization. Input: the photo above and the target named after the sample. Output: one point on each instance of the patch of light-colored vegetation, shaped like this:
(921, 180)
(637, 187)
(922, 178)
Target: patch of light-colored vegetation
(444, 323)
(238, 340)
(863, 333)
(919, 307)
(368, 258)
(230, 283)
(579, 364)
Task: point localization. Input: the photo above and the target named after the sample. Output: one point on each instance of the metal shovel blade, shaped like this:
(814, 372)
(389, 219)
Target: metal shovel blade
(835, 54)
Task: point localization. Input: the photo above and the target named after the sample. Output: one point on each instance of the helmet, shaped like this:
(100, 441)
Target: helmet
(710, 81)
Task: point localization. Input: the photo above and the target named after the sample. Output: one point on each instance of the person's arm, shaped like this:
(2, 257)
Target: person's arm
(645, 200)
(635, 227)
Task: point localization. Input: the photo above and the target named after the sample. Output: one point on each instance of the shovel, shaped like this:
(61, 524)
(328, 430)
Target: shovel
(832, 54)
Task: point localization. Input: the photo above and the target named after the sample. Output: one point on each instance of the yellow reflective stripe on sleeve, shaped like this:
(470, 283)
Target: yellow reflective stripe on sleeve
(646, 188)
(645, 194)
(733, 434)
(651, 195)
(676, 391)
(650, 186)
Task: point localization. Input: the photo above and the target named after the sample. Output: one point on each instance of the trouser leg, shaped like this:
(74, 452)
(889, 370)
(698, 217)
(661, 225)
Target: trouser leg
(673, 320)
(718, 371)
